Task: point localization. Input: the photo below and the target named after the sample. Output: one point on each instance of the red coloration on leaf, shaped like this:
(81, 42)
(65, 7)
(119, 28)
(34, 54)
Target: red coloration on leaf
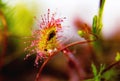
(45, 40)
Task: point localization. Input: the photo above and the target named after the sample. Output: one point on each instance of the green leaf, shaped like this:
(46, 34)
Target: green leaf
(94, 69)
(94, 25)
(110, 75)
(97, 74)
(97, 20)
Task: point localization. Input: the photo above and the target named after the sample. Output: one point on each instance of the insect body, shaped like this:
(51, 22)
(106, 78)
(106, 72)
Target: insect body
(51, 35)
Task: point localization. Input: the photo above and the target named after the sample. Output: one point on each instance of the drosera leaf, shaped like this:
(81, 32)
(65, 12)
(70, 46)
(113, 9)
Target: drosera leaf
(46, 39)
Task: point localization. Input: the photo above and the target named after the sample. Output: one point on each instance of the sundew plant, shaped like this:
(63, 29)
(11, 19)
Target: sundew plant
(56, 57)
(46, 43)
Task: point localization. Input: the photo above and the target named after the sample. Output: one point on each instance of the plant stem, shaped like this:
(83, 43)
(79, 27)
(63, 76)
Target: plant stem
(109, 67)
(69, 55)
(106, 69)
(81, 42)
(74, 63)
(43, 65)
(41, 68)
(4, 22)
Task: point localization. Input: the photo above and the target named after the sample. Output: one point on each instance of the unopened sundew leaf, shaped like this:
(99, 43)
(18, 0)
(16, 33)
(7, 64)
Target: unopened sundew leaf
(81, 33)
(117, 58)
